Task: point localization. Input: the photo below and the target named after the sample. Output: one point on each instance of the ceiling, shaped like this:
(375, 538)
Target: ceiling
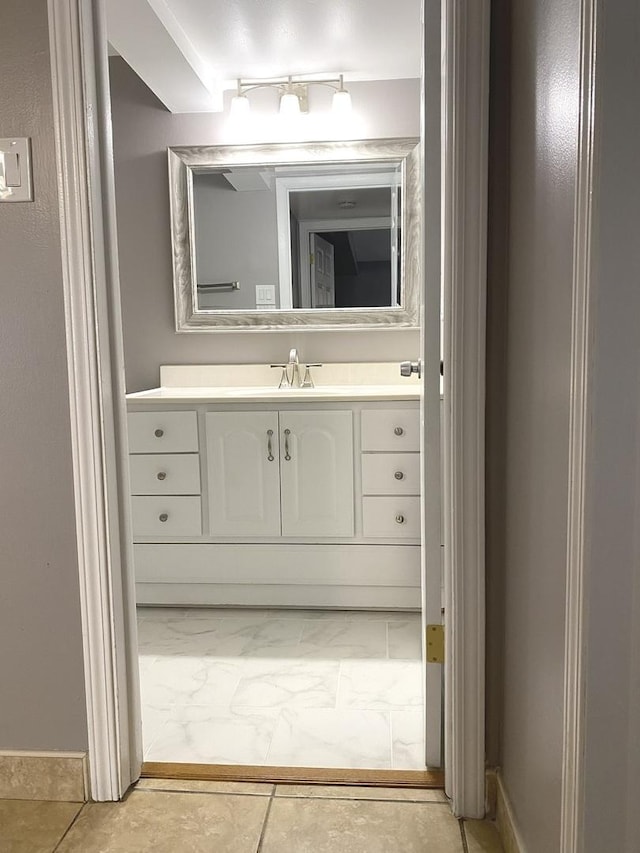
(190, 51)
(367, 202)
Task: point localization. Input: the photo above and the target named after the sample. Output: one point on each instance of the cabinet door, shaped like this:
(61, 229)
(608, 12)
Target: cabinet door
(316, 453)
(243, 467)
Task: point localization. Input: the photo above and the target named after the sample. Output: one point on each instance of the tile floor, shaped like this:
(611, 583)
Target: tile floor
(282, 687)
(161, 816)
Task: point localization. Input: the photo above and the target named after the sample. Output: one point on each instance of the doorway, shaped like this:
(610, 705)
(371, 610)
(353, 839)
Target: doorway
(106, 598)
(331, 528)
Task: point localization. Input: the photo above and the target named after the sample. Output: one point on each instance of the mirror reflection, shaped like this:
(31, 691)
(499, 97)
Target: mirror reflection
(286, 237)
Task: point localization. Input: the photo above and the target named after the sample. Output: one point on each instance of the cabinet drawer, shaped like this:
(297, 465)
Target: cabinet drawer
(163, 432)
(165, 474)
(182, 516)
(391, 429)
(391, 518)
(391, 473)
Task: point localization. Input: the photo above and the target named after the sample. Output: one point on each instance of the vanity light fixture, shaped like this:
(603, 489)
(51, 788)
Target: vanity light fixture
(290, 100)
(341, 104)
(240, 105)
(293, 95)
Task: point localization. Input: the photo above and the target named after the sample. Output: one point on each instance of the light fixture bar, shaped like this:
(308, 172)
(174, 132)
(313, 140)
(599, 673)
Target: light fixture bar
(276, 82)
(293, 93)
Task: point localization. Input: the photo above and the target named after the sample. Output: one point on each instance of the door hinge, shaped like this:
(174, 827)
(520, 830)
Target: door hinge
(435, 643)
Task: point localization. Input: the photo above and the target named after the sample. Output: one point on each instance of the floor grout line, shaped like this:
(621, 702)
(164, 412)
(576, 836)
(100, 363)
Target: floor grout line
(68, 829)
(337, 706)
(362, 800)
(463, 836)
(209, 793)
(310, 796)
(278, 718)
(266, 819)
(391, 740)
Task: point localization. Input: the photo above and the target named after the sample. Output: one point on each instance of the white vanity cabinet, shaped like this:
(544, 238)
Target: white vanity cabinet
(243, 473)
(391, 473)
(277, 502)
(316, 463)
(165, 474)
(280, 473)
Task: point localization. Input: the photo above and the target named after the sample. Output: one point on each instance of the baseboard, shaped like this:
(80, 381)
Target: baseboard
(491, 793)
(505, 821)
(53, 776)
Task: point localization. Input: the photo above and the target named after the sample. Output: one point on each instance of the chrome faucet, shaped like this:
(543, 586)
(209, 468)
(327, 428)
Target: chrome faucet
(290, 377)
(294, 364)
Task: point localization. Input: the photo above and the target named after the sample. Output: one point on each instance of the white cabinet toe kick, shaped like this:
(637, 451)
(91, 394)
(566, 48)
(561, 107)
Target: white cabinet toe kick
(243, 504)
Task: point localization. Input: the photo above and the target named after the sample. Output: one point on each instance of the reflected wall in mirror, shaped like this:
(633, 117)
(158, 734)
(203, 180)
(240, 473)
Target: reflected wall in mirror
(312, 234)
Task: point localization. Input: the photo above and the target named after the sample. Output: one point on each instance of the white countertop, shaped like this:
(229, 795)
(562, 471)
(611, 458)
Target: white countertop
(258, 382)
(282, 395)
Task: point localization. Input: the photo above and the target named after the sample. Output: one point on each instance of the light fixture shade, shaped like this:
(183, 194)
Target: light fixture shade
(341, 104)
(289, 104)
(240, 106)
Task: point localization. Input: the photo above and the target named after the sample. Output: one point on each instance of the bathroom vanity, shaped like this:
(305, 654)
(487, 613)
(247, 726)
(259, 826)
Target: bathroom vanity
(243, 493)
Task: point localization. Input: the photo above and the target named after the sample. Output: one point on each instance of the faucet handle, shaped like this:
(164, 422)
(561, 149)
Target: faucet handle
(284, 379)
(307, 381)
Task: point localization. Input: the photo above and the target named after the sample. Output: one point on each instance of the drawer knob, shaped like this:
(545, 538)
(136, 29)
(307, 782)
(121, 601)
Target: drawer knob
(399, 431)
(399, 519)
(164, 516)
(161, 475)
(399, 475)
(159, 433)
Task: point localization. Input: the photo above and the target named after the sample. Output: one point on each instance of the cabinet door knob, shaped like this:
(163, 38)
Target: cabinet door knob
(399, 431)
(399, 519)
(164, 516)
(159, 433)
(161, 475)
(399, 475)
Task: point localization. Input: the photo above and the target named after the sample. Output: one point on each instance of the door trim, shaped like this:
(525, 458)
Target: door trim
(573, 773)
(465, 125)
(97, 403)
(96, 393)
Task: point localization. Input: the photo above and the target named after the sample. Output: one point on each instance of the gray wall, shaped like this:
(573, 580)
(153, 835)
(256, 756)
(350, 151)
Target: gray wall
(544, 107)
(143, 130)
(236, 240)
(612, 724)
(42, 704)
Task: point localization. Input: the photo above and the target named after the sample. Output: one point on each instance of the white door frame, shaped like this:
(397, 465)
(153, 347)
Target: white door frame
(96, 393)
(318, 226)
(285, 185)
(465, 143)
(96, 387)
(582, 310)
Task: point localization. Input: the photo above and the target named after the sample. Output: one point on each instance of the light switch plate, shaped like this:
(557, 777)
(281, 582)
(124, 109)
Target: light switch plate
(15, 169)
(265, 295)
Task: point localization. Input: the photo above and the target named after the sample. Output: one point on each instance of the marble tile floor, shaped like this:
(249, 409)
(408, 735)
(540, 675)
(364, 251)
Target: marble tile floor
(166, 816)
(281, 687)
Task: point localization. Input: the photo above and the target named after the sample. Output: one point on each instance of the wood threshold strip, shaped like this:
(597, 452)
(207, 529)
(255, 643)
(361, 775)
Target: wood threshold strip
(294, 775)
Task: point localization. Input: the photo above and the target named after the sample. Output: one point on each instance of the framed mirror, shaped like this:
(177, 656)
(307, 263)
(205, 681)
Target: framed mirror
(306, 235)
